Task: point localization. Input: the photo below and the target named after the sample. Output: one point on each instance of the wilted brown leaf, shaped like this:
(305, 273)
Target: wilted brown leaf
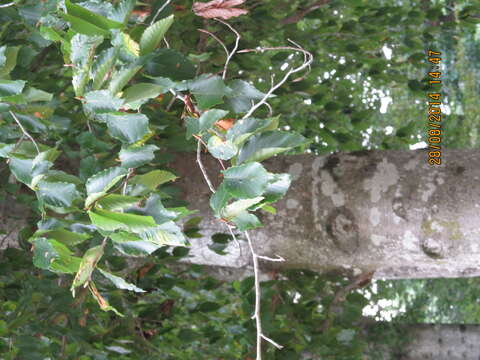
(223, 9)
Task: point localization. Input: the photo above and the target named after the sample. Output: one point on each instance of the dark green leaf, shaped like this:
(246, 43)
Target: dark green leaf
(59, 194)
(132, 157)
(126, 127)
(220, 149)
(246, 181)
(102, 101)
(242, 96)
(119, 282)
(153, 35)
(246, 221)
(90, 17)
(263, 146)
(205, 122)
(170, 64)
(111, 221)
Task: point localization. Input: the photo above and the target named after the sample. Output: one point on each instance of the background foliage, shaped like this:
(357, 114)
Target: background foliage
(186, 314)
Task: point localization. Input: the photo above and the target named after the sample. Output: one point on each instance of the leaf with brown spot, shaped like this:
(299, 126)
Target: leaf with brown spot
(223, 9)
(225, 124)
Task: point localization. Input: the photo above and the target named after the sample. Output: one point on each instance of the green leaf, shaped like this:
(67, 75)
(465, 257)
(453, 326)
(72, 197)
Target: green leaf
(242, 96)
(154, 208)
(119, 282)
(122, 11)
(90, 17)
(171, 64)
(132, 245)
(102, 101)
(111, 221)
(101, 67)
(11, 60)
(83, 49)
(104, 180)
(126, 127)
(59, 194)
(44, 253)
(219, 200)
(122, 77)
(84, 27)
(220, 149)
(32, 94)
(277, 187)
(87, 265)
(152, 35)
(205, 122)
(246, 181)
(165, 234)
(208, 90)
(246, 221)
(138, 94)
(66, 237)
(98, 184)
(132, 157)
(114, 202)
(5, 149)
(10, 87)
(237, 207)
(26, 170)
(245, 128)
(52, 255)
(263, 146)
(153, 179)
(3, 58)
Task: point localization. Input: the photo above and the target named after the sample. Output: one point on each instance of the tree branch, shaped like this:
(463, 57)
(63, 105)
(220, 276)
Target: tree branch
(301, 14)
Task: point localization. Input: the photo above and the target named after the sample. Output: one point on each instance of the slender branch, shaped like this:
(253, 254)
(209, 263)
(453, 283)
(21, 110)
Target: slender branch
(216, 38)
(159, 11)
(358, 282)
(230, 229)
(235, 48)
(301, 14)
(25, 132)
(7, 5)
(202, 168)
(258, 295)
(277, 345)
(308, 58)
(278, 259)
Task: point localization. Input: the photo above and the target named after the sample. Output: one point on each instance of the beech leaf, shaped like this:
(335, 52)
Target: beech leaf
(223, 9)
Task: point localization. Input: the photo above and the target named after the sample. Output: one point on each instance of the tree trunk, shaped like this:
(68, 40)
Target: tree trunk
(383, 211)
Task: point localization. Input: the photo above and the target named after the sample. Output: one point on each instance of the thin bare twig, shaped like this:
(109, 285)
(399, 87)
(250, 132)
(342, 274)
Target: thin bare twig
(277, 345)
(7, 5)
(308, 58)
(202, 168)
(278, 259)
(256, 314)
(25, 132)
(235, 48)
(159, 11)
(230, 229)
(216, 38)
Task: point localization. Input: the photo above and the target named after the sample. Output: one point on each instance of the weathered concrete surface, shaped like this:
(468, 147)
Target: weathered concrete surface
(387, 211)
